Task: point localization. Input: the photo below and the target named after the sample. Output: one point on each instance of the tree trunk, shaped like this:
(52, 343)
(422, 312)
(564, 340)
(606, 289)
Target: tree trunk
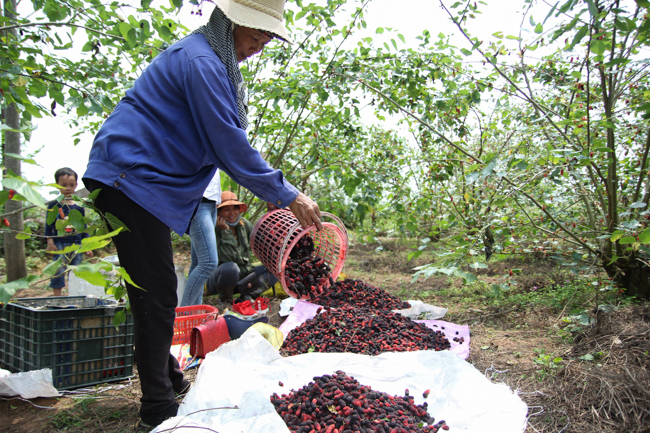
(16, 267)
(633, 276)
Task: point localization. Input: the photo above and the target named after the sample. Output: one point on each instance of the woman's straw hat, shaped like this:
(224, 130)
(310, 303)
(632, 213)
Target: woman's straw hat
(229, 198)
(257, 14)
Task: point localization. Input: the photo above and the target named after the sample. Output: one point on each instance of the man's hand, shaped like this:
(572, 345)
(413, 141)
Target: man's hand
(307, 211)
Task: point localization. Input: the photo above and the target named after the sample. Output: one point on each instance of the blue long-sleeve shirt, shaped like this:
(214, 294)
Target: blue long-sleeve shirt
(173, 128)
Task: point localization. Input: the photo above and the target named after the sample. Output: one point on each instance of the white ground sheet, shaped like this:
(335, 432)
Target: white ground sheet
(245, 372)
(418, 309)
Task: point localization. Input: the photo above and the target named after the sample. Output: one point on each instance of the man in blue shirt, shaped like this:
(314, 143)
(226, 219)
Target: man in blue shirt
(184, 117)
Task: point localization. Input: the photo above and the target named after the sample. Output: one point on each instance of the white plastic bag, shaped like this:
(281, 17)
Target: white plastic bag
(422, 311)
(29, 384)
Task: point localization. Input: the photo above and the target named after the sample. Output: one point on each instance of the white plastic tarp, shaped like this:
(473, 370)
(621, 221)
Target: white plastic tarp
(28, 384)
(232, 391)
(304, 311)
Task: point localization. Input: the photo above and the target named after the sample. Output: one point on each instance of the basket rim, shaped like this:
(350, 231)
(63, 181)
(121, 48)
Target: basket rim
(337, 227)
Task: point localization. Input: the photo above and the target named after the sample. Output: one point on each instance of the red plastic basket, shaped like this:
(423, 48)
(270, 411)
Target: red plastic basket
(278, 231)
(187, 318)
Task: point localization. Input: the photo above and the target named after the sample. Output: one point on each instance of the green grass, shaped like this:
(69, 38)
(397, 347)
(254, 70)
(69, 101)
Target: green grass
(84, 414)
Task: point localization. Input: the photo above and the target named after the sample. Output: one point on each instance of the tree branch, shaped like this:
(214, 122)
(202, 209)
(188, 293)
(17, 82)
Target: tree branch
(643, 170)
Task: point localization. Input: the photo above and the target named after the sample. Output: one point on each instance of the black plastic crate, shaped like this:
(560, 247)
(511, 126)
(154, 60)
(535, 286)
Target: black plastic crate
(72, 335)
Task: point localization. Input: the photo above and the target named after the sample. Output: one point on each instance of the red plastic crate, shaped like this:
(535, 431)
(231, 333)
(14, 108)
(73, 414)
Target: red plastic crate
(187, 318)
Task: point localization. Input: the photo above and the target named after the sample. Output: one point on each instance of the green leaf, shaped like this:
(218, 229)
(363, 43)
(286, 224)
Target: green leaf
(380, 30)
(638, 205)
(24, 189)
(644, 236)
(4, 196)
(539, 28)
(52, 214)
(598, 47)
(87, 46)
(96, 242)
(627, 240)
(94, 278)
(165, 33)
(127, 277)
(619, 61)
(489, 169)
(120, 316)
(124, 28)
(614, 259)
(468, 277)
(472, 177)
(69, 249)
(466, 51)
(51, 269)
(593, 10)
(76, 219)
(9, 289)
(92, 243)
(115, 222)
(93, 195)
(582, 31)
(566, 6)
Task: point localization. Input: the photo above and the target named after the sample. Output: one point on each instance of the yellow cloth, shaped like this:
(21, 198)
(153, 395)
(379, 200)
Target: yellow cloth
(270, 334)
(279, 291)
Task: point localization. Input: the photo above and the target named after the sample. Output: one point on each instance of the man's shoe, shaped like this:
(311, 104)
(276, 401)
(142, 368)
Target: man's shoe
(225, 295)
(151, 421)
(184, 389)
(257, 292)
